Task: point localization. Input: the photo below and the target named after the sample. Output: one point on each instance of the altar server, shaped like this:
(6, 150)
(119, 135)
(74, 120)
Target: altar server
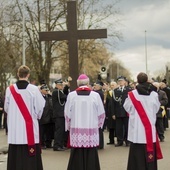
(24, 106)
(142, 105)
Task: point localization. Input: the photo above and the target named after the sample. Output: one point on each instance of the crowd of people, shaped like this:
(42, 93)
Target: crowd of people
(132, 113)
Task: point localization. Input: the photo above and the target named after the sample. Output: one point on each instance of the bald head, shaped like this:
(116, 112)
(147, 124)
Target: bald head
(113, 85)
(162, 85)
(156, 84)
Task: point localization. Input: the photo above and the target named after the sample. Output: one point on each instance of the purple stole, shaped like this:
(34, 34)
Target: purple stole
(148, 130)
(28, 120)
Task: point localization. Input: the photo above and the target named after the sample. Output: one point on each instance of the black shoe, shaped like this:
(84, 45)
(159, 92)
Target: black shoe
(43, 147)
(127, 143)
(119, 144)
(48, 146)
(100, 147)
(58, 149)
(65, 148)
(110, 143)
(161, 140)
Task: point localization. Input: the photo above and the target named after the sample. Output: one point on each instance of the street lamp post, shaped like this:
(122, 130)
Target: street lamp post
(146, 57)
(23, 39)
(118, 69)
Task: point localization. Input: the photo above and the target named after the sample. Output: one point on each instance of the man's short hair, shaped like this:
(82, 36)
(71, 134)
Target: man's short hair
(142, 77)
(23, 71)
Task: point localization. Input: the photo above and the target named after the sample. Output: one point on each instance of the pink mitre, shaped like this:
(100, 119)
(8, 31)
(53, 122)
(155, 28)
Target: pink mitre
(83, 77)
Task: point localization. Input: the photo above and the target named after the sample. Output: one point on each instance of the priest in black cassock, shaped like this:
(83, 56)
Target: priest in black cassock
(84, 115)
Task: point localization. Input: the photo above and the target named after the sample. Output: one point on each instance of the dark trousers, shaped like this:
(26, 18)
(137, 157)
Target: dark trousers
(121, 129)
(5, 124)
(59, 132)
(165, 120)
(111, 135)
(160, 127)
(46, 134)
(0, 120)
(101, 139)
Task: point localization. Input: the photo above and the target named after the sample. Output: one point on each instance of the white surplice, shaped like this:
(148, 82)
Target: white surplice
(151, 105)
(84, 115)
(16, 123)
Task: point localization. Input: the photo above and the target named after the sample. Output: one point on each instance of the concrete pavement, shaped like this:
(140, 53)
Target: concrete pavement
(111, 157)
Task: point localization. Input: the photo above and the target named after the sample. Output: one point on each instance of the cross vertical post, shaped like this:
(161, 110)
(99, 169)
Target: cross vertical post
(72, 35)
(73, 43)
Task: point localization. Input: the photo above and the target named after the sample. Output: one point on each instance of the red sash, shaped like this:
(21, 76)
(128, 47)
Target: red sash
(148, 130)
(28, 120)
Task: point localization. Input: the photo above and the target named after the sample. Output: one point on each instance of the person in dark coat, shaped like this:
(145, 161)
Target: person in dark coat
(1, 110)
(166, 89)
(59, 99)
(119, 113)
(46, 124)
(111, 123)
(163, 99)
(66, 88)
(98, 88)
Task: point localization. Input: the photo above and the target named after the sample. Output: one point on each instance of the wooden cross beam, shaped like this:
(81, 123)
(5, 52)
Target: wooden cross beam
(72, 35)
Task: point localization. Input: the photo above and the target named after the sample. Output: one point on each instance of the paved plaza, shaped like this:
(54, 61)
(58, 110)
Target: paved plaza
(111, 157)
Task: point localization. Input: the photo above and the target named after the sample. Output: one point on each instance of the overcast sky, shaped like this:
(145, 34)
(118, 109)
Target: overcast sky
(138, 16)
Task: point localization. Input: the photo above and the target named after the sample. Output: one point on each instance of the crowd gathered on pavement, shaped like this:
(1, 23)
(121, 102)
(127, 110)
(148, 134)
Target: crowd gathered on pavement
(76, 120)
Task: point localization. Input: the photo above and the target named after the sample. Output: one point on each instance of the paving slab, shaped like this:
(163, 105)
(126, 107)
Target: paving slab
(111, 157)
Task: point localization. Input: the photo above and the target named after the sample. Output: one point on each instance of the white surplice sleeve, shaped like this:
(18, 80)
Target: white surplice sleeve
(39, 103)
(128, 106)
(157, 103)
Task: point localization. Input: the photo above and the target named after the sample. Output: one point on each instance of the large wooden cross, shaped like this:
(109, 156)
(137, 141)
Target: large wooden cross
(72, 35)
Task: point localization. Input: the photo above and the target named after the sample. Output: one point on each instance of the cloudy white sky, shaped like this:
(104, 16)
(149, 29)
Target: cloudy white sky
(138, 16)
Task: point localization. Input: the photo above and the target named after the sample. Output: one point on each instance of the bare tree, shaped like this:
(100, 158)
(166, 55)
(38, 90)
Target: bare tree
(50, 15)
(9, 51)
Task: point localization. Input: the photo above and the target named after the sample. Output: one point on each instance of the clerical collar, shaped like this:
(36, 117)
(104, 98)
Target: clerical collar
(83, 88)
(22, 84)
